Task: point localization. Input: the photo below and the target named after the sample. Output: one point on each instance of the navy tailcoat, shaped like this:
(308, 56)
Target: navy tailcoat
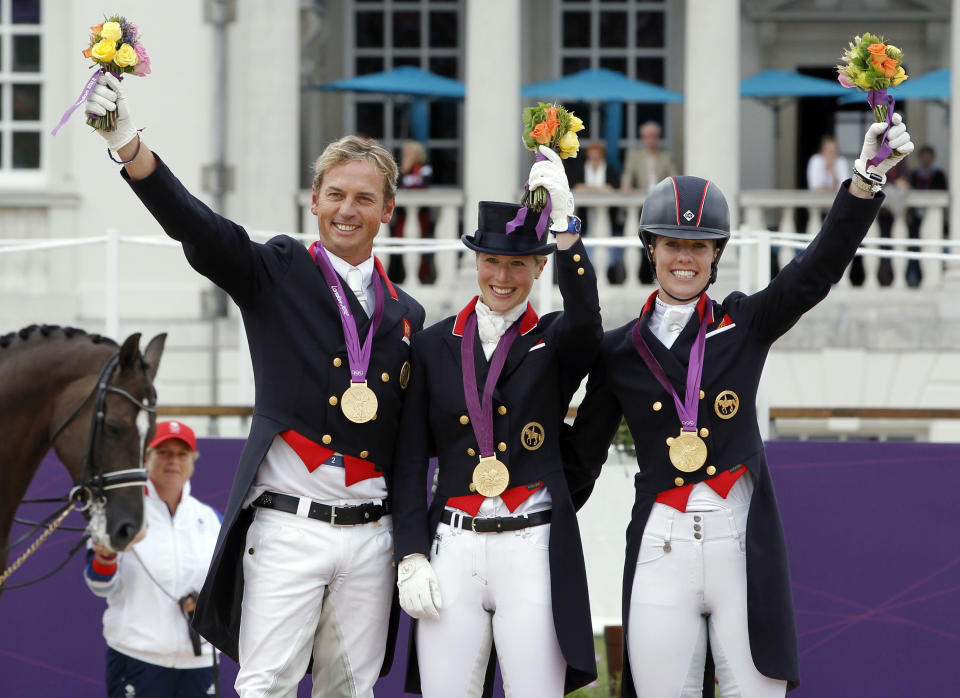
(299, 358)
(738, 340)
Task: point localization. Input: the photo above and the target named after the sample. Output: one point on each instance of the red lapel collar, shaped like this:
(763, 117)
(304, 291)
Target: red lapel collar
(463, 315)
(386, 279)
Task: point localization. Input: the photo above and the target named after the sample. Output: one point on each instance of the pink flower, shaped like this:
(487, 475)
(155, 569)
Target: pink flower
(845, 81)
(143, 65)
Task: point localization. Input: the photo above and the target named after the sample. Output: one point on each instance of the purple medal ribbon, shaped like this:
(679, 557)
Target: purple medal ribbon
(84, 93)
(876, 98)
(521, 216)
(481, 415)
(357, 356)
(686, 410)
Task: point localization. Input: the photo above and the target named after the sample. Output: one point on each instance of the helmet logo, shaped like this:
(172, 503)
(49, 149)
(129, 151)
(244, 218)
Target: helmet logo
(688, 215)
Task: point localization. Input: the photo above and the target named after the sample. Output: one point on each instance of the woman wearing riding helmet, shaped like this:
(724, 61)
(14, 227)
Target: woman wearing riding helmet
(706, 558)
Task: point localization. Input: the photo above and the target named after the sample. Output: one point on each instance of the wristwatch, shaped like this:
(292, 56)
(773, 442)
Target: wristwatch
(869, 181)
(574, 225)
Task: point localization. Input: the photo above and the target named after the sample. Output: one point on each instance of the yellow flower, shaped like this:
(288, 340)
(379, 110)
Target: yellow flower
(126, 56)
(899, 77)
(111, 31)
(103, 50)
(575, 123)
(569, 144)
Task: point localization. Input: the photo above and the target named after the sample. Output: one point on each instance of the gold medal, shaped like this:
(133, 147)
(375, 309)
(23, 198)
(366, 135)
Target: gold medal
(359, 403)
(490, 477)
(688, 452)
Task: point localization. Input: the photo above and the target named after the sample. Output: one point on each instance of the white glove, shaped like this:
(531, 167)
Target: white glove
(107, 96)
(550, 175)
(898, 139)
(418, 586)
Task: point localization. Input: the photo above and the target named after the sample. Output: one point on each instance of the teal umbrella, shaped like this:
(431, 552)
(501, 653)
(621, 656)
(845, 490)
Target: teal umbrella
(602, 85)
(421, 85)
(784, 83)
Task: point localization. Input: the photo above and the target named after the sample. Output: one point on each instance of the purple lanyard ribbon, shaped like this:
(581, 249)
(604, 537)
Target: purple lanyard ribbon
(84, 93)
(481, 415)
(357, 356)
(876, 98)
(686, 410)
(521, 216)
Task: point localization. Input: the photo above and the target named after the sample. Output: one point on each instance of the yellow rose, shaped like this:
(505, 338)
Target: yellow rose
(103, 51)
(900, 76)
(576, 124)
(126, 56)
(111, 31)
(569, 145)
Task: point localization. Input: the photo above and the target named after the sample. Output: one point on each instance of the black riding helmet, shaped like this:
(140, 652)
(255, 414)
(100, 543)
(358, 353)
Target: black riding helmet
(688, 208)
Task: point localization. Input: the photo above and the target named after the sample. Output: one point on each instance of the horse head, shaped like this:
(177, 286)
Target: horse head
(116, 421)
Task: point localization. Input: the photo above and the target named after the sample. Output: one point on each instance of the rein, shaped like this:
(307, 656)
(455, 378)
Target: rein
(92, 484)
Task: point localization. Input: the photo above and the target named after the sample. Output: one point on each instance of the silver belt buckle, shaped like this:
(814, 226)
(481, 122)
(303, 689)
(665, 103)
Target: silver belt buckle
(333, 515)
(473, 525)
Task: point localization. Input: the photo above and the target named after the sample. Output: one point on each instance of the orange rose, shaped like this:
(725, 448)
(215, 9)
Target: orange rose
(541, 133)
(87, 52)
(553, 125)
(877, 49)
(96, 30)
(551, 113)
(889, 67)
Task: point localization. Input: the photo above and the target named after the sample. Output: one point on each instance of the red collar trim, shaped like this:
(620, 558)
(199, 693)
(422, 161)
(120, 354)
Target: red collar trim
(528, 321)
(648, 306)
(383, 275)
(463, 315)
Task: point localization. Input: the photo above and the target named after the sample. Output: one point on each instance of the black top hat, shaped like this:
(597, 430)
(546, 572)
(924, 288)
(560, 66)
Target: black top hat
(491, 236)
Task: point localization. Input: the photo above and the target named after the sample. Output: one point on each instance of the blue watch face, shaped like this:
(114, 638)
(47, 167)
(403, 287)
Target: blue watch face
(573, 226)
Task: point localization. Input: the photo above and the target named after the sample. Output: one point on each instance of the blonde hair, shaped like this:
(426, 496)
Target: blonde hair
(358, 148)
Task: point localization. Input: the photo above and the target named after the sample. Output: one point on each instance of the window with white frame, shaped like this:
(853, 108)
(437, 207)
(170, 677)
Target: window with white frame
(21, 86)
(627, 36)
(428, 34)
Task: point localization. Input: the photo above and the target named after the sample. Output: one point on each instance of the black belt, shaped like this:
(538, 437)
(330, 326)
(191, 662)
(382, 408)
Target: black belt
(498, 524)
(352, 515)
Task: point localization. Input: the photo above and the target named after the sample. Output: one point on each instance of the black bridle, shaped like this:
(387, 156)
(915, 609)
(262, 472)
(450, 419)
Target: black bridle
(92, 483)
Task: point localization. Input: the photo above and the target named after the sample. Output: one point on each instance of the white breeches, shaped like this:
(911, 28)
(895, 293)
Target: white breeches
(495, 586)
(690, 580)
(310, 586)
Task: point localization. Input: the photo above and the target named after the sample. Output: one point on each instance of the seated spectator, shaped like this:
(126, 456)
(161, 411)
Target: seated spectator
(415, 173)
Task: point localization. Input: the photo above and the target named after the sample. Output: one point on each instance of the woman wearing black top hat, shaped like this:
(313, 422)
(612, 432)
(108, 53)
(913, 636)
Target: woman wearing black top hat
(488, 393)
(705, 550)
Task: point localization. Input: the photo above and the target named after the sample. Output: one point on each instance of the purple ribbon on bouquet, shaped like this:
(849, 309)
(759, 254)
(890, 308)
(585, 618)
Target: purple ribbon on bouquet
(87, 89)
(876, 98)
(521, 216)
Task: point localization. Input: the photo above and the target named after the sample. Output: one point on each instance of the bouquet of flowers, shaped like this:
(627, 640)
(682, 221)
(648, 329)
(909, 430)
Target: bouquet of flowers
(872, 65)
(555, 127)
(114, 46)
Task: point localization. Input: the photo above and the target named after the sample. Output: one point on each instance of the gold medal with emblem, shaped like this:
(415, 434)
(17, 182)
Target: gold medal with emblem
(688, 452)
(359, 403)
(490, 477)
(405, 375)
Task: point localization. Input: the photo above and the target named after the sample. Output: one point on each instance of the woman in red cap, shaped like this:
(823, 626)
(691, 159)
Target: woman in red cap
(151, 588)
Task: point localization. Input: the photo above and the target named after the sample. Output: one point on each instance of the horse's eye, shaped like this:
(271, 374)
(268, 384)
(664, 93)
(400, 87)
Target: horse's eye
(114, 428)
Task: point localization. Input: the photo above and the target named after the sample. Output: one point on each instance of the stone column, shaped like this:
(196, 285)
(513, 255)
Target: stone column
(711, 109)
(492, 119)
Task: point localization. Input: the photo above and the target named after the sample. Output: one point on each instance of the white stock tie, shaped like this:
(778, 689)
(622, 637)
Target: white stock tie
(355, 282)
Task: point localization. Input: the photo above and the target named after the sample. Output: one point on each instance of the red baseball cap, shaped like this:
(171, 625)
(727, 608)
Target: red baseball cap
(174, 430)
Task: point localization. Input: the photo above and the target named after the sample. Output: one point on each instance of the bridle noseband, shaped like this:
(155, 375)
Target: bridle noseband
(93, 483)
